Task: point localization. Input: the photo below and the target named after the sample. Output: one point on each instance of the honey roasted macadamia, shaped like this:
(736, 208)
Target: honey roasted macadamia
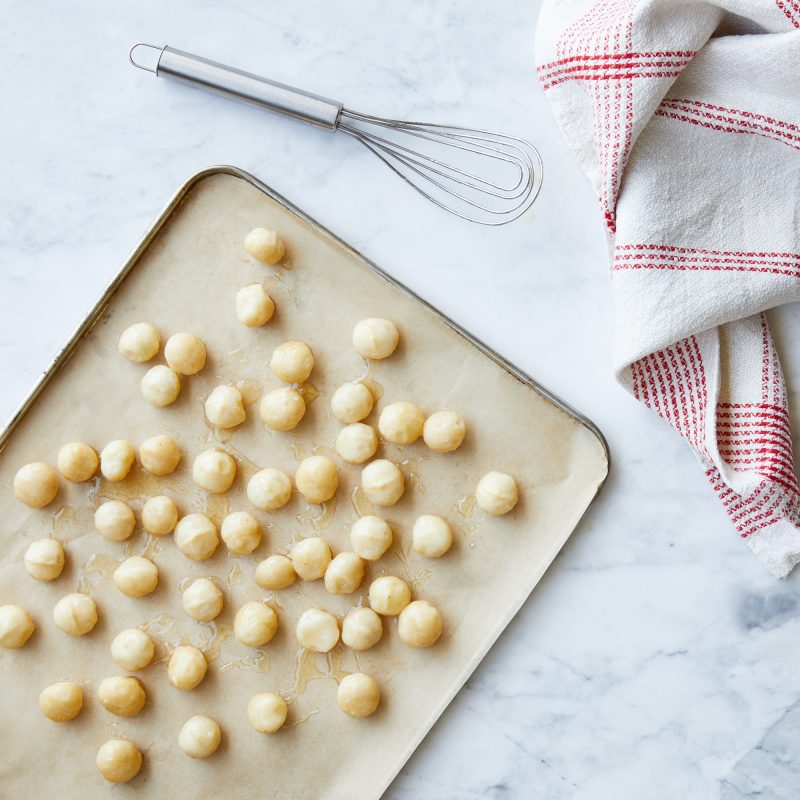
(225, 407)
(267, 712)
(419, 624)
(136, 576)
(310, 558)
(496, 493)
(61, 702)
(401, 422)
(123, 696)
(316, 479)
(119, 761)
(185, 353)
(357, 443)
(255, 624)
(132, 649)
(352, 402)
(159, 455)
(292, 362)
(75, 614)
(241, 533)
(16, 627)
(196, 537)
(358, 695)
(362, 628)
(275, 572)
(199, 737)
(344, 573)
(187, 667)
(214, 471)
(140, 342)
(77, 462)
(44, 559)
(282, 409)
(161, 386)
(116, 460)
(159, 515)
(444, 431)
(432, 536)
(370, 537)
(375, 338)
(317, 630)
(389, 595)
(269, 489)
(203, 600)
(382, 482)
(36, 484)
(264, 245)
(254, 306)
(114, 520)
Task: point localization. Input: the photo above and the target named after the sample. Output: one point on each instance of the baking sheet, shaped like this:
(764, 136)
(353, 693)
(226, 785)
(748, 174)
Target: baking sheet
(186, 278)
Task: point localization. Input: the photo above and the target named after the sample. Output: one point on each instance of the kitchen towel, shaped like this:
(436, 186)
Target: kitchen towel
(686, 118)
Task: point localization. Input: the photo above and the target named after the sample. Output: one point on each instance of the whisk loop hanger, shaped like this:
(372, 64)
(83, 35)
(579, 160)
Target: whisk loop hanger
(478, 175)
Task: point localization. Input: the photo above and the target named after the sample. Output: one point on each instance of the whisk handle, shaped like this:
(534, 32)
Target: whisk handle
(242, 86)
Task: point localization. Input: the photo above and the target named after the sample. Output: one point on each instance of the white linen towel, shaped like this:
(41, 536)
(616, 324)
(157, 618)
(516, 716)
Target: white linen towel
(686, 117)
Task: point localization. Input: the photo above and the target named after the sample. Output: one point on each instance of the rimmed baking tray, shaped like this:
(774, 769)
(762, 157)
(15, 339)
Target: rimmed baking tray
(183, 275)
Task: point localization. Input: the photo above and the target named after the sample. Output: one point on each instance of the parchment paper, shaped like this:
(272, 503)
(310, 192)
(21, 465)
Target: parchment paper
(187, 281)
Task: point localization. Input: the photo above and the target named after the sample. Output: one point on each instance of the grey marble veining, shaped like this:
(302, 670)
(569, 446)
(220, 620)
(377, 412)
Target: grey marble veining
(656, 659)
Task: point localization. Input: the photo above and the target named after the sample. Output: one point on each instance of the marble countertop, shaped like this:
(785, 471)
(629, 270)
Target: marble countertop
(656, 658)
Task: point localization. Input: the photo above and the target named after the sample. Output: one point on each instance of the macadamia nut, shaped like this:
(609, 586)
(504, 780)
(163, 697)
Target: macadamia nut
(255, 624)
(267, 712)
(124, 697)
(357, 443)
(161, 386)
(269, 489)
(282, 409)
(316, 479)
(225, 407)
(496, 493)
(185, 353)
(203, 600)
(344, 574)
(77, 462)
(159, 455)
(119, 761)
(382, 482)
(132, 649)
(352, 402)
(16, 627)
(136, 576)
(61, 702)
(36, 484)
(310, 558)
(401, 423)
(419, 624)
(358, 695)
(292, 362)
(275, 572)
(44, 559)
(75, 614)
(139, 342)
(116, 460)
(370, 537)
(264, 245)
(444, 431)
(159, 515)
(362, 628)
(196, 537)
(375, 338)
(317, 630)
(241, 533)
(199, 737)
(389, 595)
(114, 520)
(187, 667)
(432, 536)
(214, 471)
(254, 306)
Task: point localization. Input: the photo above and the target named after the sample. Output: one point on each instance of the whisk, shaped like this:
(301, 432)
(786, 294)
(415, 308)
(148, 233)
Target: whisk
(478, 175)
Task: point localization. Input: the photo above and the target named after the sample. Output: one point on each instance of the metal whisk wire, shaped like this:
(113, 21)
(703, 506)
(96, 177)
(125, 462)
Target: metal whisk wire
(458, 169)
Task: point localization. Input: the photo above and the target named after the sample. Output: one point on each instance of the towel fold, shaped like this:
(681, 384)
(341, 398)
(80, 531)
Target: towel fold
(686, 118)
